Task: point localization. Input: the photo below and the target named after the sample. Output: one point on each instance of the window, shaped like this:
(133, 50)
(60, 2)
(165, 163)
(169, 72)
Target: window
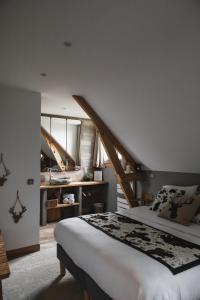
(65, 132)
(101, 158)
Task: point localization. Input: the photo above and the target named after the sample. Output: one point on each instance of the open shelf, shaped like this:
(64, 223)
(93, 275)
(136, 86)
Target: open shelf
(72, 184)
(60, 205)
(86, 194)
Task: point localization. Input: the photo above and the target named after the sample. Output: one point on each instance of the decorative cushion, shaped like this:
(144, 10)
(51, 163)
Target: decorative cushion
(168, 192)
(196, 218)
(181, 209)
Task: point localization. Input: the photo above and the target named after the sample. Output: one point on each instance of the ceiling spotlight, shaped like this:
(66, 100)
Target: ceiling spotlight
(43, 74)
(67, 44)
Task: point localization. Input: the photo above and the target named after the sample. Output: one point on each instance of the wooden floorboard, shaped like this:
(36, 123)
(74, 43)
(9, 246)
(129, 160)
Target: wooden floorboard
(47, 235)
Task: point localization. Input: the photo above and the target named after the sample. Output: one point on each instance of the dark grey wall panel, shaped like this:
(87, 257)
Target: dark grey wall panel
(154, 180)
(112, 190)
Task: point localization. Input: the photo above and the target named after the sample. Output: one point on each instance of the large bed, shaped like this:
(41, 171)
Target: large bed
(110, 269)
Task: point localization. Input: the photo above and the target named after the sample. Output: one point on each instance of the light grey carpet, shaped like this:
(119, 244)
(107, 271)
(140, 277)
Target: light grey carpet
(36, 276)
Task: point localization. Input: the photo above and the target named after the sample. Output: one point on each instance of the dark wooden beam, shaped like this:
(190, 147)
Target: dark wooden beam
(130, 177)
(112, 145)
(103, 129)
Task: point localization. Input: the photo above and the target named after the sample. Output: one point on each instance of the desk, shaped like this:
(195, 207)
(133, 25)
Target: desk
(78, 204)
(4, 267)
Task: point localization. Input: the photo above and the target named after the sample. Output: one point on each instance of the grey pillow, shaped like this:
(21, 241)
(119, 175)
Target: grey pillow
(181, 209)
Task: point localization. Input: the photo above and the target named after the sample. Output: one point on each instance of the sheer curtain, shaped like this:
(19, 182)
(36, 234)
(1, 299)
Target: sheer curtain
(100, 155)
(101, 158)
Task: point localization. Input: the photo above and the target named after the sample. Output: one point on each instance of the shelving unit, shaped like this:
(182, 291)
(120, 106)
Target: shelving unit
(60, 205)
(79, 188)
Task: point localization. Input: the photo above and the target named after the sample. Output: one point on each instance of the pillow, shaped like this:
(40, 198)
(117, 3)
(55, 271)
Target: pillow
(196, 218)
(181, 209)
(168, 192)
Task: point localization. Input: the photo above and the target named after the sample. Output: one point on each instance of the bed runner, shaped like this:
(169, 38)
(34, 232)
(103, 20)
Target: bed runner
(175, 253)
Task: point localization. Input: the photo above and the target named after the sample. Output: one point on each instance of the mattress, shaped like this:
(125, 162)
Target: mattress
(123, 272)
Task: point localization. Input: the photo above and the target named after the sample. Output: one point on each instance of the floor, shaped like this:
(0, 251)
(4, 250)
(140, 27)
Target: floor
(47, 236)
(36, 276)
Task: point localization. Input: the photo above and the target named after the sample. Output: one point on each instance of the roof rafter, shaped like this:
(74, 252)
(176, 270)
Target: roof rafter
(111, 144)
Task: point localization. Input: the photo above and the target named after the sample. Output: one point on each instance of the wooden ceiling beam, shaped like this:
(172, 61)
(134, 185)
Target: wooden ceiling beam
(130, 177)
(100, 125)
(112, 145)
(112, 154)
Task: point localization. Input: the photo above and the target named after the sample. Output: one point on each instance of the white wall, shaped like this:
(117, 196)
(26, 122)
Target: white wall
(136, 62)
(20, 144)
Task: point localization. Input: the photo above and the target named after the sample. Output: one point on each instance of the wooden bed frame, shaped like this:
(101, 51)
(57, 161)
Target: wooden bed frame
(91, 290)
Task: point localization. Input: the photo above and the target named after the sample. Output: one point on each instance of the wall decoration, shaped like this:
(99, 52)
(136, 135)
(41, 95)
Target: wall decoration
(6, 172)
(17, 215)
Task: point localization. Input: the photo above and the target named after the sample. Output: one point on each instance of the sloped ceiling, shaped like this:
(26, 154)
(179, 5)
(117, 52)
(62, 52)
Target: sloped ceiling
(137, 62)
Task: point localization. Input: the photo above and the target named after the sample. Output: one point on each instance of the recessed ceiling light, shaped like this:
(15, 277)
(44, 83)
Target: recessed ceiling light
(67, 44)
(43, 74)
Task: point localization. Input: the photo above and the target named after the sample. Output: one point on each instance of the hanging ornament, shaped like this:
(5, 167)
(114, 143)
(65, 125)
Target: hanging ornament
(17, 215)
(6, 172)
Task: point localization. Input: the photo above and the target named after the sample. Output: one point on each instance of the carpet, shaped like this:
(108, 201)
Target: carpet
(36, 276)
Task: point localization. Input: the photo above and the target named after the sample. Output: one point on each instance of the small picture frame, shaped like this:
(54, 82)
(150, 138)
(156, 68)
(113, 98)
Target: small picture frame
(98, 175)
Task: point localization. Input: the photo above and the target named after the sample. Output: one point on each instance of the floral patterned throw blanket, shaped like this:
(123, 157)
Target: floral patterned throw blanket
(175, 253)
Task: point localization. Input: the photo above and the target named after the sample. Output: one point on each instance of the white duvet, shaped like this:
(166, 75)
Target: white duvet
(123, 272)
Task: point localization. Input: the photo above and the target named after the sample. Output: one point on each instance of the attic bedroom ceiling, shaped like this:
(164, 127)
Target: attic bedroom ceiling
(136, 62)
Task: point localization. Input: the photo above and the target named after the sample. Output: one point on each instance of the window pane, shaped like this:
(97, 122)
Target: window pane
(58, 131)
(72, 137)
(45, 123)
(104, 153)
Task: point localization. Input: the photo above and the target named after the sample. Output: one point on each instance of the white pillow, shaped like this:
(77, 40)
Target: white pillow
(168, 192)
(190, 190)
(196, 219)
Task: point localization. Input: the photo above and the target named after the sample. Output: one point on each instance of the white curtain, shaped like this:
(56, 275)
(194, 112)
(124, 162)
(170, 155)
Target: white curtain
(100, 155)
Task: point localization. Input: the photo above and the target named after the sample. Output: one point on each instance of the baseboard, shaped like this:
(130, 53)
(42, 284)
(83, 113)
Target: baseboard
(22, 251)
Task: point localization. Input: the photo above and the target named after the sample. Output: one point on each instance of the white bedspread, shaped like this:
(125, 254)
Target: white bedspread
(123, 272)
